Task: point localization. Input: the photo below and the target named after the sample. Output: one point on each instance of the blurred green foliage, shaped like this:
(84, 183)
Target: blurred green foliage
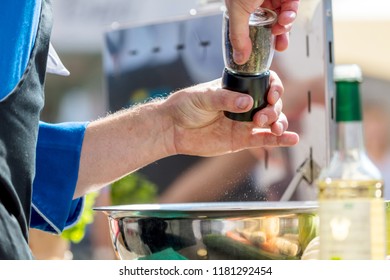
(133, 189)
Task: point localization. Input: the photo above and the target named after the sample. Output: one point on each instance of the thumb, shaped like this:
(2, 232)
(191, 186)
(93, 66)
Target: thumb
(226, 100)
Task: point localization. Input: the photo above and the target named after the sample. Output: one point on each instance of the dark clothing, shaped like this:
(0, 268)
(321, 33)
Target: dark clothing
(19, 117)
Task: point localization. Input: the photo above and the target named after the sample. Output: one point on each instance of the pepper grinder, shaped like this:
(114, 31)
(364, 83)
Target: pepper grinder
(252, 77)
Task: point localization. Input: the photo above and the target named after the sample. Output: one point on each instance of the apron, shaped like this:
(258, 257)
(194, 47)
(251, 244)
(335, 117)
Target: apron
(19, 119)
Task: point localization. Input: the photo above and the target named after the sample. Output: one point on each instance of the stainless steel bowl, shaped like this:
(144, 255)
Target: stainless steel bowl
(227, 230)
(220, 230)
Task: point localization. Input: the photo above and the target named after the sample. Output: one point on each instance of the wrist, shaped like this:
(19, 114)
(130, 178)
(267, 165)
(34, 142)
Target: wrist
(155, 133)
(163, 111)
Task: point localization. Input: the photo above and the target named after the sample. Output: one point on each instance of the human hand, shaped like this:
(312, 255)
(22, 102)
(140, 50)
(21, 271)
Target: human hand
(239, 12)
(190, 121)
(199, 126)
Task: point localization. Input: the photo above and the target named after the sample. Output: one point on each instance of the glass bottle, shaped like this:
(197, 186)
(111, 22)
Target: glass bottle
(351, 204)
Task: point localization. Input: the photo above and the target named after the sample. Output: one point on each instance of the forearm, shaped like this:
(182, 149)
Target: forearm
(121, 143)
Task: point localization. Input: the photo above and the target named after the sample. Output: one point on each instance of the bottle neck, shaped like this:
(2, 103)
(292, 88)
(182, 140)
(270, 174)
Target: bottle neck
(348, 105)
(350, 138)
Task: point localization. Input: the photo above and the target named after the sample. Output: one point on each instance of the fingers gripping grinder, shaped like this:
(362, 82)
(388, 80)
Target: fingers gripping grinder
(252, 77)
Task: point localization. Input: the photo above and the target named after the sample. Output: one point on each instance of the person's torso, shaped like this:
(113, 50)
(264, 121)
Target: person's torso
(19, 120)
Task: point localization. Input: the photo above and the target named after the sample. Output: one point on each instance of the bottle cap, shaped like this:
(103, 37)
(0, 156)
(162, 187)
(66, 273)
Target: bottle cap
(348, 73)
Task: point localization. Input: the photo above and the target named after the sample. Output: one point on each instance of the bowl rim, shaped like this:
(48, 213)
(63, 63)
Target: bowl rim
(208, 209)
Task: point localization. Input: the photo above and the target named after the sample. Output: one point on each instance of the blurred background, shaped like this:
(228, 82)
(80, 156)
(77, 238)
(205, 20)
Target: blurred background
(360, 31)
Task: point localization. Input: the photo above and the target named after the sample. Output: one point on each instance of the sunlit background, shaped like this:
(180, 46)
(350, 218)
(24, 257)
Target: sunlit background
(361, 35)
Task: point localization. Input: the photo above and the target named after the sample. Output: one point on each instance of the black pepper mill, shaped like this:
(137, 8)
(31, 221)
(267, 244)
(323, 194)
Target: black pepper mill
(252, 77)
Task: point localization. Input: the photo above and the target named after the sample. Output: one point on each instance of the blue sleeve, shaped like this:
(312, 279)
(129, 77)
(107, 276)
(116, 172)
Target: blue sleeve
(18, 28)
(57, 166)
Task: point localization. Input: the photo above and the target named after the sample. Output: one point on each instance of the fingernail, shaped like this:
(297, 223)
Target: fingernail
(290, 14)
(263, 120)
(243, 102)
